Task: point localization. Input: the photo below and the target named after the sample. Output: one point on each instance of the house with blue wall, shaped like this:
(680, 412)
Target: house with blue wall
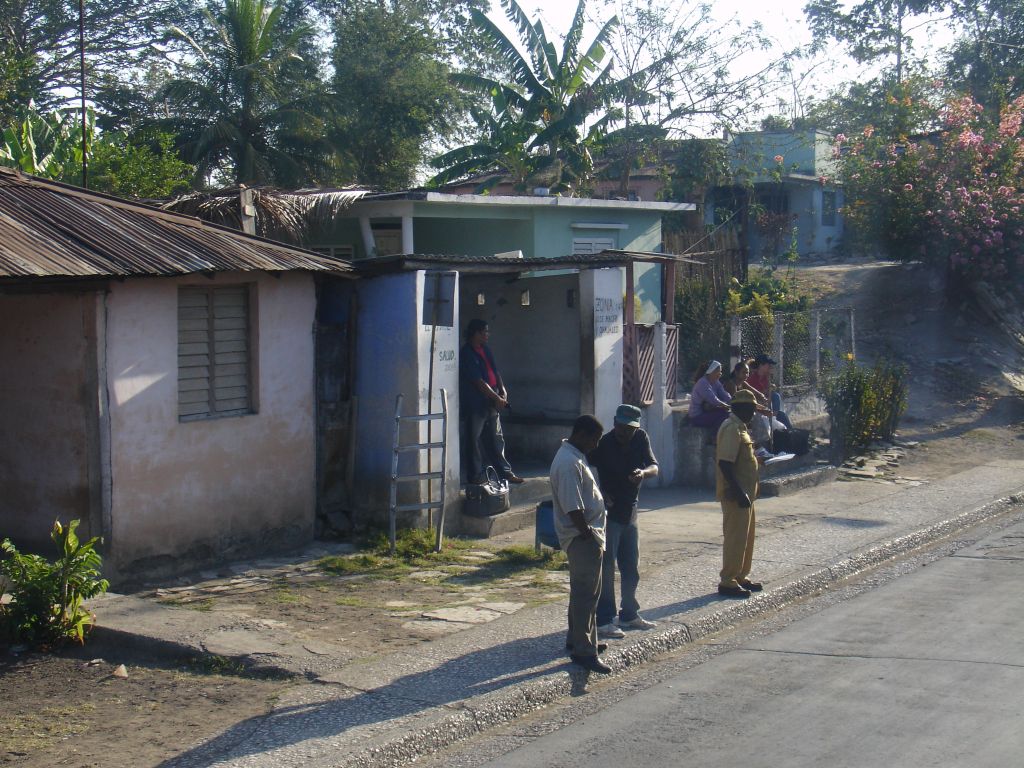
(784, 192)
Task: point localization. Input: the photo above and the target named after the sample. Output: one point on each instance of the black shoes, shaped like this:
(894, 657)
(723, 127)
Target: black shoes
(601, 647)
(733, 591)
(591, 663)
(751, 586)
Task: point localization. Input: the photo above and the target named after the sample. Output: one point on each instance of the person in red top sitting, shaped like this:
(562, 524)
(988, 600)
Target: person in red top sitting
(761, 379)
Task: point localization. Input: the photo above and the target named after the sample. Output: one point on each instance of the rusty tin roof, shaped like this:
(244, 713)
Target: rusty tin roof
(54, 230)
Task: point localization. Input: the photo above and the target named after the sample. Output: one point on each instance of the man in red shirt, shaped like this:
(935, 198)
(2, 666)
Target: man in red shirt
(761, 379)
(482, 397)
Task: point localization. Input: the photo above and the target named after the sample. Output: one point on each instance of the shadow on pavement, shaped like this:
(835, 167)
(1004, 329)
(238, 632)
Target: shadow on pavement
(472, 674)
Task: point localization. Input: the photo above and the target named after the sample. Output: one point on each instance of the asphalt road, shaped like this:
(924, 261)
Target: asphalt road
(922, 667)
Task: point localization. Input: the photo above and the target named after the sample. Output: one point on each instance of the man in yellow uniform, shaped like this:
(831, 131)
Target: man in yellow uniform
(736, 489)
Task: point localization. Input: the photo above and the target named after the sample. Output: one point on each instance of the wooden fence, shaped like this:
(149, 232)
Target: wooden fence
(720, 252)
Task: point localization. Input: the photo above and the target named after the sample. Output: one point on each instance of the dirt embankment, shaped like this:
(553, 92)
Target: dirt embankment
(966, 393)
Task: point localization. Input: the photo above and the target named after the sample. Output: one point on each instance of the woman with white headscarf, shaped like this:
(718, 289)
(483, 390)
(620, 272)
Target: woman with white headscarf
(709, 402)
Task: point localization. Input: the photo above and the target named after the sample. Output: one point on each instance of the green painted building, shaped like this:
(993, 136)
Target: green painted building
(421, 222)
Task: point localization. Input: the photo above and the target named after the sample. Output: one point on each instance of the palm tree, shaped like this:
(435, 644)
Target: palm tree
(232, 115)
(548, 107)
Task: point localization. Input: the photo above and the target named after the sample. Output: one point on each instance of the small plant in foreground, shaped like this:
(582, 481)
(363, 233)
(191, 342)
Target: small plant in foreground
(46, 606)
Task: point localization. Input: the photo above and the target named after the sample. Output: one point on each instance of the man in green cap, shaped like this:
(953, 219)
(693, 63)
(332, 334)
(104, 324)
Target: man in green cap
(736, 489)
(623, 460)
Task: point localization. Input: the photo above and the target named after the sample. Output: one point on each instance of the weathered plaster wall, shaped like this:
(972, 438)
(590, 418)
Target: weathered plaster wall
(47, 408)
(386, 365)
(393, 355)
(213, 488)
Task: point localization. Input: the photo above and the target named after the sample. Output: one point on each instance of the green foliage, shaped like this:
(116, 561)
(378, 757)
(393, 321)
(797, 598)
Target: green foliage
(705, 314)
(557, 105)
(700, 312)
(955, 197)
(50, 146)
(39, 40)
(47, 596)
(986, 60)
(870, 29)
(47, 145)
(524, 556)
(237, 110)
(393, 90)
(764, 293)
(125, 167)
(864, 404)
(696, 165)
(415, 549)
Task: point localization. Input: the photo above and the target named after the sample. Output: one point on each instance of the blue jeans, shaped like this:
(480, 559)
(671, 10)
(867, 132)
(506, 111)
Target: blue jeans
(777, 410)
(622, 547)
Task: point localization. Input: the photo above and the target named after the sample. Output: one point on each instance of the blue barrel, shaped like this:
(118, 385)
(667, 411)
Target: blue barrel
(545, 525)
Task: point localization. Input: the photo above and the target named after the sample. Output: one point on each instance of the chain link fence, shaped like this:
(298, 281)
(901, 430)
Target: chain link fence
(808, 346)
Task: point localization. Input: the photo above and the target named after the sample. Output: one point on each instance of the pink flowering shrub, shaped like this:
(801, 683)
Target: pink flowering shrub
(956, 195)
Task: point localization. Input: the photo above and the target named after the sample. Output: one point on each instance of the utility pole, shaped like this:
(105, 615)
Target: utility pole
(81, 67)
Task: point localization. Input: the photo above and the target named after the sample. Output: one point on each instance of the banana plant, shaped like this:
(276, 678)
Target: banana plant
(556, 105)
(47, 145)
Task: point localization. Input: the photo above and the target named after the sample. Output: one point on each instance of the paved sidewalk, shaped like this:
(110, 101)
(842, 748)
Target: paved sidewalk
(387, 711)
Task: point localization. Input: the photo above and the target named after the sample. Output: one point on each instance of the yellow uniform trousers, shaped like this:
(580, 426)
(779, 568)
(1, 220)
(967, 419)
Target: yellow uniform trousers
(738, 547)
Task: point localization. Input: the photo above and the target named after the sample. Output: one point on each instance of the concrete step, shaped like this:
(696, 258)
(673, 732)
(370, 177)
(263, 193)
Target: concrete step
(785, 483)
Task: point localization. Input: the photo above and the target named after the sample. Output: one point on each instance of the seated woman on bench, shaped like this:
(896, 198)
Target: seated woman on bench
(709, 402)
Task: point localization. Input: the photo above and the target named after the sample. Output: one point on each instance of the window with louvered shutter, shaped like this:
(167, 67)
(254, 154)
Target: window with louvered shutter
(214, 365)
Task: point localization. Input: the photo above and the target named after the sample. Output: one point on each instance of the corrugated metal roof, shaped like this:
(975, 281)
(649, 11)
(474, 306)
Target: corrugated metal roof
(48, 229)
(608, 258)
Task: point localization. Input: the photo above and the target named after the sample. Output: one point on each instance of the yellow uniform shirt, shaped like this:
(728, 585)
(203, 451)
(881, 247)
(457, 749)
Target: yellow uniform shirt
(736, 445)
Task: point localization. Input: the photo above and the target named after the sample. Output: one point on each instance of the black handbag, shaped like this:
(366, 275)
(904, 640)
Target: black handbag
(487, 498)
(792, 441)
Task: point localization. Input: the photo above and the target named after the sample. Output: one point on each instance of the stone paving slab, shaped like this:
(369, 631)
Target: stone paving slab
(384, 712)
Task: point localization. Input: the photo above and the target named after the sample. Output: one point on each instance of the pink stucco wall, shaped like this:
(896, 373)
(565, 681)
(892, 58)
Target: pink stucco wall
(200, 491)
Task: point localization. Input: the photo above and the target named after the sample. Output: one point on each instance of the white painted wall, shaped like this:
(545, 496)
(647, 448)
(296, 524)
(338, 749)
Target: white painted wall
(47, 409)
(442, 345)
(601, 321)
(213, 488)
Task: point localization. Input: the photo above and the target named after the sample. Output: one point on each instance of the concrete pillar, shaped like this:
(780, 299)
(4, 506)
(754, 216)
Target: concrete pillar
(407, 242)
(601, 330)
(369, 244)
(659, 414)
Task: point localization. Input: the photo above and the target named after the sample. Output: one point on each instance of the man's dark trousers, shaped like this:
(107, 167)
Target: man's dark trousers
(584, 587)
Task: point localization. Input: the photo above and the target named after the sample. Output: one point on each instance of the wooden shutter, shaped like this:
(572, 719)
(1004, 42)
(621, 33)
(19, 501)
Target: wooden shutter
(214, 371)
(589, 245)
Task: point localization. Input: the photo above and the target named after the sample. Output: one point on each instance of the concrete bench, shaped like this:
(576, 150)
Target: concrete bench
(695, 454)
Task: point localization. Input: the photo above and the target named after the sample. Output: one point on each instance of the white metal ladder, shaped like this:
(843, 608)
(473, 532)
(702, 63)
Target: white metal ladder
(393, 506)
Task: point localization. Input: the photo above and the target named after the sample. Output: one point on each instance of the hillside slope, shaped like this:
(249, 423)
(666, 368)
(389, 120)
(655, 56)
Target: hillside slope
(966, 400)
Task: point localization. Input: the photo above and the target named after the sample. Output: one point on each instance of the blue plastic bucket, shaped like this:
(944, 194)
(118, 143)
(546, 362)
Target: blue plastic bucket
(545, 525)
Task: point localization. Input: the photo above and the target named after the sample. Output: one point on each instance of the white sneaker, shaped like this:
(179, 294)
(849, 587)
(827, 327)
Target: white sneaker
(638, 623)
(764, 453)
(610, 630)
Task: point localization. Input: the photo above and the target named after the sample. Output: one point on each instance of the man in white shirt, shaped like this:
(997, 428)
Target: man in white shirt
(579, 514)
